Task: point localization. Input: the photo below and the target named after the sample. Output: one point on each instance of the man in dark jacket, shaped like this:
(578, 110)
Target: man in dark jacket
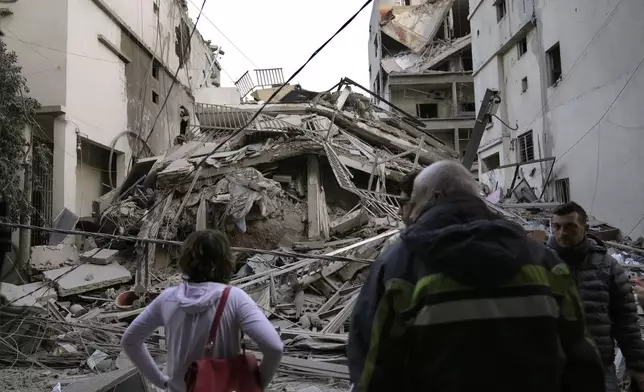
(607, 293)
(465, 301)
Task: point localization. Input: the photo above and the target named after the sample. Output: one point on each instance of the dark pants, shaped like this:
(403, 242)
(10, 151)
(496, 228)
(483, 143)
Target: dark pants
(610, 374)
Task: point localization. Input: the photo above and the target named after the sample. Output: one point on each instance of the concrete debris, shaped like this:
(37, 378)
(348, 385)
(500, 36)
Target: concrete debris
(100, 256)
(86, 278)
(307, 182)
(45, 257)
(415, 26)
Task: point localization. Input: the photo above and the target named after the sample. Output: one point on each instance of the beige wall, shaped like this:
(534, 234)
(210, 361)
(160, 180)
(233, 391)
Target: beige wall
(37, 32)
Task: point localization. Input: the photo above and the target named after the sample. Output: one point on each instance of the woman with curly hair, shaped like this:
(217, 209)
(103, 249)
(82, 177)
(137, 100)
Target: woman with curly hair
(187, 312)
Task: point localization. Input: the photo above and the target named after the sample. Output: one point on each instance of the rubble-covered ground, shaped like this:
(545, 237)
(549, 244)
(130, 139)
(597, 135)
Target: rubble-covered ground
(308, 195)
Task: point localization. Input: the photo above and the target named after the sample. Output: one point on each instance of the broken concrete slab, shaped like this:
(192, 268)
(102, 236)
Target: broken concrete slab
(415, 26)
(87, 277)
(19, 297)
(46, 257)
(281, 178)
(40, 291)
(100, 256)
(349, 222)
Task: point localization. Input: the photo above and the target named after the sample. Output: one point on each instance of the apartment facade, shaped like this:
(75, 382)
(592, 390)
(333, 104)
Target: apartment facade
(101, 70)
(420, 61)
(570, 79)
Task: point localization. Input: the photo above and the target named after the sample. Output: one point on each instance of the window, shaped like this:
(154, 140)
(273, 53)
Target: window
(522, 46)
(467, 64)
(562, 190)
(468, 107)
(155, 97)
(554, 64)
(464, 136)
(427, 110)
(155, 69)
(500, 9)
(524, 84)
(376, 85)
(526, 147)
(155, 8)
(491, 162)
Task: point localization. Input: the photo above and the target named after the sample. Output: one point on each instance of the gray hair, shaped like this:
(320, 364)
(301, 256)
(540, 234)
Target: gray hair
(443, 178)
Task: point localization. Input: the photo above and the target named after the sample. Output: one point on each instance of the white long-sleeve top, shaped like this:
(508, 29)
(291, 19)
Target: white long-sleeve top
(187, 312)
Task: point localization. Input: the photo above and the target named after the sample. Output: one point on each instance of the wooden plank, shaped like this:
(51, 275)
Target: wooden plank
(339, 320)
(333, 300)
(313, 196)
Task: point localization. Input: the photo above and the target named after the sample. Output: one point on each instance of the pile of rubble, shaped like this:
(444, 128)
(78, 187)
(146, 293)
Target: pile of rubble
(308, 195)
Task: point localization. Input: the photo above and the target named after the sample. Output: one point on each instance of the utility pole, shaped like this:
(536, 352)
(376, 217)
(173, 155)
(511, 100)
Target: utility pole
(25, 219)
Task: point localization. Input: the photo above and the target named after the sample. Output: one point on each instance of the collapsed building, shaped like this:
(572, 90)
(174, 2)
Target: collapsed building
(420, 60)
(308, 194)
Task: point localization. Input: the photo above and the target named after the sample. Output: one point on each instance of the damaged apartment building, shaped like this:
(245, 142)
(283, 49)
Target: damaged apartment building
(102, 71)
(420, 61)
(570, 78)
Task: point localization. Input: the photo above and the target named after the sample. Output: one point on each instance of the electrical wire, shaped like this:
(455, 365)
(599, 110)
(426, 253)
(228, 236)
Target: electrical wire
(574, 64)
(228, 39)
(201, 162)
(176, 74)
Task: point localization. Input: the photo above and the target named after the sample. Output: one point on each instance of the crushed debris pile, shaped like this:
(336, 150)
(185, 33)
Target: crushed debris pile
(308, 195)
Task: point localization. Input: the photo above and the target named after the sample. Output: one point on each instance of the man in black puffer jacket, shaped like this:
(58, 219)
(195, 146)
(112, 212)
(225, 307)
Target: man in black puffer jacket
(607, 293)
(464, 301)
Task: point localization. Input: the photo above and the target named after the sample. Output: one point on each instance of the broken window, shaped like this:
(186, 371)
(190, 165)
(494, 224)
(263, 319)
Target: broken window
(468, 64)
(184, 115)
(464, 136)
(501, 9)
(427, 110)
(526, 147)
(182, 43)
(491, 162)
(155, 69)
(376, 85)
(562, 190)
(524, 84)
(468, 107)
(522, 46)
(155, 97)
(554, 64)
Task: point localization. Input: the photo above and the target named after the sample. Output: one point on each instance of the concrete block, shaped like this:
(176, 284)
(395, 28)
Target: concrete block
(100, 256)
(281, 178)
(87, 277)
(40, 291)
(44, 258)
(18, 297)
(350, 222)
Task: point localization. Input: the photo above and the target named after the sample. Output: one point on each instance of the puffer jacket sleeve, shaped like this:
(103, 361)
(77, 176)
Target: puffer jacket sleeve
(623, 312)
(364, 313)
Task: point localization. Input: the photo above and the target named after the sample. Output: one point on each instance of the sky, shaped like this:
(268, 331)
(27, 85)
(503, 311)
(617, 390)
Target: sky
(284, 34)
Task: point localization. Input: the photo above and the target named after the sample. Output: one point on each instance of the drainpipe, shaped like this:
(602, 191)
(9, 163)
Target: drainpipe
(25, 234)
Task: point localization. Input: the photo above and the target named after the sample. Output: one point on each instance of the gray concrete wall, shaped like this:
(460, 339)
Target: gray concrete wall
(141, 110)
(37, 32)
(592, 120)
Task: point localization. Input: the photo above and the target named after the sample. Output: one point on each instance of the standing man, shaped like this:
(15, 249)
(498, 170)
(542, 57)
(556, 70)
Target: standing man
(464, 301)
(607, 293)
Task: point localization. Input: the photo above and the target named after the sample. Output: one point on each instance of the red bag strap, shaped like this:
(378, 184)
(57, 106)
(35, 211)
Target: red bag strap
(215, 324)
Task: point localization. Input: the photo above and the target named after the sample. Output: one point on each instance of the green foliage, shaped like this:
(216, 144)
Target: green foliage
(17, 110)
